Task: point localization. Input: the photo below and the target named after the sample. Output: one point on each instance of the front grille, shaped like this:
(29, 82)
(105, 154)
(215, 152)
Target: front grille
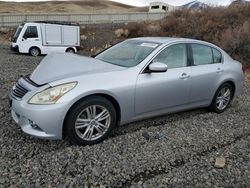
(19, 91)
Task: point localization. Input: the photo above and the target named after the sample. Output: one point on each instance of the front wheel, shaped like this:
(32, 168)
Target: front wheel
(34, 51)
(90, 121)
(222, 98)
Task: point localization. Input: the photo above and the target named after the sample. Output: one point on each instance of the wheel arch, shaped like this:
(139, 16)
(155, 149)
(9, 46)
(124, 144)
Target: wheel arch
(104, 95)
(231, 82)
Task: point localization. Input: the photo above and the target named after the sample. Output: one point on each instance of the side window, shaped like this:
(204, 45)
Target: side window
(217, 56)
(31, 32)
(174, 56)
(202, 54)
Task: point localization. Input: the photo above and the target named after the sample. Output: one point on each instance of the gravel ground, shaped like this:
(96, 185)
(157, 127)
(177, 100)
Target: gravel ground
(175, 150)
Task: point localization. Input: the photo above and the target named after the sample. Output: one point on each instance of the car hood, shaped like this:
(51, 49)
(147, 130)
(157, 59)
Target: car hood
(58, 66)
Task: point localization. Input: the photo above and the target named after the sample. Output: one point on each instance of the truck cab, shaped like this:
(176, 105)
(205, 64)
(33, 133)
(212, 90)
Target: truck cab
(38, 38)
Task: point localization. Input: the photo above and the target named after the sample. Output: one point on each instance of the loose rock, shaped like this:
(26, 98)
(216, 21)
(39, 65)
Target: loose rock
(220, 162)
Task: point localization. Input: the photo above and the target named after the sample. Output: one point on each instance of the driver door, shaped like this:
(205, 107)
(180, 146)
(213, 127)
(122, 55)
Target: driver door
(30, 38)
(160, 91)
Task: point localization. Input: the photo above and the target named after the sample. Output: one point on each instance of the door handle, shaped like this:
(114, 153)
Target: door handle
(36, 39)
(184, 76)
(219, 70)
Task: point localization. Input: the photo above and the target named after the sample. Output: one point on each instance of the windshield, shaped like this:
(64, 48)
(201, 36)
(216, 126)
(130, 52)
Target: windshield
(17, 33)
(128, 54)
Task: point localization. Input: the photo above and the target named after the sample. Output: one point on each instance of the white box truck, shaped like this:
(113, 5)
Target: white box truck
(38, 38)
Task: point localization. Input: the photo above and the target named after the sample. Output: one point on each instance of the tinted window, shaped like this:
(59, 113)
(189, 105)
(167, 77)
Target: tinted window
(217, 56)
(174, 56)
(31, 32)
(155, 7)
(202, 54)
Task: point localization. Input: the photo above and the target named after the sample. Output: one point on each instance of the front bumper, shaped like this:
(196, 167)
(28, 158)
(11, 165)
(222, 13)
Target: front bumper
(14, 48)
(42, 121)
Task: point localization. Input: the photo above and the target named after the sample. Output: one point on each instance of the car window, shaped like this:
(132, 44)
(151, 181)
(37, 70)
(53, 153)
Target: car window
(174, 56)
(217, 56)
(202, 54)
(31, 32)
(128, 53)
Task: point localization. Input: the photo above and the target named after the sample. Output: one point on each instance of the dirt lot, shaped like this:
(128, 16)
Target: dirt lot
(177, 150)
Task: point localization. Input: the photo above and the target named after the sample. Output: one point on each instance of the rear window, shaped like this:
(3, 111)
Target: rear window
(217, 56)
(31, 32)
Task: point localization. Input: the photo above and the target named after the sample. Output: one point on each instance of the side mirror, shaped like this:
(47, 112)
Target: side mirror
(158, 67)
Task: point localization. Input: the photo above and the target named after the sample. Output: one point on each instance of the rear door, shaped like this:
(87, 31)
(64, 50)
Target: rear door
(207, 70)
(161, 91)
(70, 36)
(52, 35)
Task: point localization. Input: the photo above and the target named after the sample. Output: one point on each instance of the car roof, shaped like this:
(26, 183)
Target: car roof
(166, 40)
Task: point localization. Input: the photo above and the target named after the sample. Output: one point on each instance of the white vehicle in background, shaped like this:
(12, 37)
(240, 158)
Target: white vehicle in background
(45, 37)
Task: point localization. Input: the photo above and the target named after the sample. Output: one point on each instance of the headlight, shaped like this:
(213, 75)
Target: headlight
(51, 95)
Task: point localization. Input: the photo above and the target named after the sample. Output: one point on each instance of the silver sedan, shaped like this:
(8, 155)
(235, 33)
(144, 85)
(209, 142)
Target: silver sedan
(84, 98)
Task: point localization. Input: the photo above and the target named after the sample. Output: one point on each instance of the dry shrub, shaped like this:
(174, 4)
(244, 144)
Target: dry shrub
(121, 32)
(135, 29)
(144, 29)
(7, 33)
(227, 27)
(236, 41)
(83, 37)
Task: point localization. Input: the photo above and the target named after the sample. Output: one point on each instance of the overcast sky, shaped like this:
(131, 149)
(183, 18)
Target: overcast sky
(146, 2)
(172, 2)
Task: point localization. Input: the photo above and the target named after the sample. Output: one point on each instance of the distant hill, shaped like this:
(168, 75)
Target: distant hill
(76, 6)
(195, 5)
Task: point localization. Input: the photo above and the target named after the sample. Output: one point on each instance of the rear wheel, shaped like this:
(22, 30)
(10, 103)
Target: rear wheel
(222, 98)
(34, 51)
(70, 50)
(90, 121)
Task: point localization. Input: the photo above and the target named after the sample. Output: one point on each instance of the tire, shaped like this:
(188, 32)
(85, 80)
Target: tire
(80, 121)
(34, 51)
(70, 50)
(221, 101)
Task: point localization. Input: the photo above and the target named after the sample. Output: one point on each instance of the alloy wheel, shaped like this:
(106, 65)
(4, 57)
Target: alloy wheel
(223, 98)
(92, 122)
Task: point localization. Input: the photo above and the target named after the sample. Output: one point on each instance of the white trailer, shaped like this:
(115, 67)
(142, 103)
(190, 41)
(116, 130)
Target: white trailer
(45, 37)
(156, 7)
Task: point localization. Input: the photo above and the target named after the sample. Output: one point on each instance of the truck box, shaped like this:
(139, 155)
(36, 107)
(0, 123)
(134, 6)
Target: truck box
(54, 34)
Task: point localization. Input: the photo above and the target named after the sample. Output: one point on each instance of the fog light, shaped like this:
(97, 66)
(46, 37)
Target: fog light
(33, 125)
